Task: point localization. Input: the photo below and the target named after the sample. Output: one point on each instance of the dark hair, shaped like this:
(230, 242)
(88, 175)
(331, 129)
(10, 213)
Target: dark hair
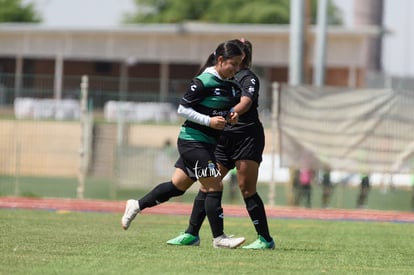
(246, 46)
(248, 51)
(227, 50)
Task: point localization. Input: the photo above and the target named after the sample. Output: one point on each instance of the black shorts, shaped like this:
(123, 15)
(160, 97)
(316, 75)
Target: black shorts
(197, 159)
(240, 147)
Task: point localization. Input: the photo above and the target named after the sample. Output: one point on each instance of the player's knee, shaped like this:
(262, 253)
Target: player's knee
(247, 191)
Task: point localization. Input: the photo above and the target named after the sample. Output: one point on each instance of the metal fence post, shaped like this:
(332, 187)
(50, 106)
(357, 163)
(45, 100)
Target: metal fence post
(84, 154)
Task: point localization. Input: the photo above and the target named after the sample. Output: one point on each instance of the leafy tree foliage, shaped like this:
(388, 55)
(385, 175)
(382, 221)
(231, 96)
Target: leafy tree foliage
(17, 11)
(221, 11)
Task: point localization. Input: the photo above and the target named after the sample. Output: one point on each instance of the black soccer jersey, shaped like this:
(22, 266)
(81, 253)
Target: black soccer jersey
(250, 87)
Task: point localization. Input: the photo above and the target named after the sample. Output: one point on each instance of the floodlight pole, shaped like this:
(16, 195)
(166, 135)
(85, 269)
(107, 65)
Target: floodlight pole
(320, 48)
(296, 49)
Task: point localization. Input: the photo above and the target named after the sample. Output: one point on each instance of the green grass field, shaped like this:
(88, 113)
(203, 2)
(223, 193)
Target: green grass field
(49, 242)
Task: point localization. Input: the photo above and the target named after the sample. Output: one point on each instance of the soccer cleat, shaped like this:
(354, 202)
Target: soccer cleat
(227, 242)
(185, 239)
(131, 210)
(260, 243)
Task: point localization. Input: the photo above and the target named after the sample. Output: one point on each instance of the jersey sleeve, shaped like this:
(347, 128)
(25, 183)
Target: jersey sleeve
(250, 85)
(194, 94)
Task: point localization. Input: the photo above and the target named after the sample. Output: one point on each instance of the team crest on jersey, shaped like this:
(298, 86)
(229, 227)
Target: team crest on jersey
(251, 90)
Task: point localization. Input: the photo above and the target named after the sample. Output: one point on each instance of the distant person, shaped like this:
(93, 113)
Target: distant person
(207, 106)
(295, 186)
(305, 186)
(326, 187)
(363, 192)
(233, 184)
(412, 197)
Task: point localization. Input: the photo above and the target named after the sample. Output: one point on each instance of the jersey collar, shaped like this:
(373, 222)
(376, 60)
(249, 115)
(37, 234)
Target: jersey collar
(213, 71)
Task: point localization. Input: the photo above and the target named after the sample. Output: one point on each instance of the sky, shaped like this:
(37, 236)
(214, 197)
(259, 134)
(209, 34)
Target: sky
(398, 58)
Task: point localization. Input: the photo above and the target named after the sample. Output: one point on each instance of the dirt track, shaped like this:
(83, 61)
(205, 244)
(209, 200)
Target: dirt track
(173, 208)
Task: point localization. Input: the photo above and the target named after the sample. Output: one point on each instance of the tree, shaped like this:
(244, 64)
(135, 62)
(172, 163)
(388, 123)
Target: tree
(221, 11)
(16, 11)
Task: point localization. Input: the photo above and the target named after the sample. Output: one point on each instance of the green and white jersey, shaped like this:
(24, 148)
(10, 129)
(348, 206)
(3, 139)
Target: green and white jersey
(209, 95)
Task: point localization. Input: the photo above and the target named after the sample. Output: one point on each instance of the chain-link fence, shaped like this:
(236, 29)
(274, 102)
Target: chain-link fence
(124, 153)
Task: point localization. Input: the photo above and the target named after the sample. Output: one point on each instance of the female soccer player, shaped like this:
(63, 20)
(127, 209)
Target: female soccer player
(241, 146)
(207, 106)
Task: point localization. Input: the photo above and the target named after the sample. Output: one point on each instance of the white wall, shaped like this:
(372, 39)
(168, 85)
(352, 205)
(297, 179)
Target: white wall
(397, 55)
